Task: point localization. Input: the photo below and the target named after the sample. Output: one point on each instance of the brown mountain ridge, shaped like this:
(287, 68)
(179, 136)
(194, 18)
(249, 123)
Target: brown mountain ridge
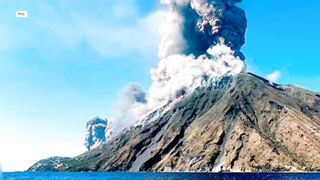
(244, 123)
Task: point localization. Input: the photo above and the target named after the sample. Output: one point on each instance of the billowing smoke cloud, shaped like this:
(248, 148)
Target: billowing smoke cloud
(200, 44)
(98, 132)
(132, 105)
(177, 75)
(201, 41)
(193, 26)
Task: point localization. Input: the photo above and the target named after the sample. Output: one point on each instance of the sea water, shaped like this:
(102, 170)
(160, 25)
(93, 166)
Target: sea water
(158, 176)
(1, 178)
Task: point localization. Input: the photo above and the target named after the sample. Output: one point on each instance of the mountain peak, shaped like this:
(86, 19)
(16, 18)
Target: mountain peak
(246, 125)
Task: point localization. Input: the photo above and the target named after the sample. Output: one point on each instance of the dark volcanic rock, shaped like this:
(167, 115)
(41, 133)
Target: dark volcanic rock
(245, 125)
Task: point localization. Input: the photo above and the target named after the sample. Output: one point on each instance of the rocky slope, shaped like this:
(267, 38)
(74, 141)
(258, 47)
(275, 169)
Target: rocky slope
(245, 124)
(50, 164)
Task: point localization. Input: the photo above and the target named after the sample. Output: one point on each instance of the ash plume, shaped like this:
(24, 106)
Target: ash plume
(200, 44)
(98, 132)
(200, 41)
(193, 26)
(132, 104)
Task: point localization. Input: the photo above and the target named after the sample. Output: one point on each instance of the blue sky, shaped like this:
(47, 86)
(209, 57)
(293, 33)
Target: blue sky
(68, 60)
(284, 35)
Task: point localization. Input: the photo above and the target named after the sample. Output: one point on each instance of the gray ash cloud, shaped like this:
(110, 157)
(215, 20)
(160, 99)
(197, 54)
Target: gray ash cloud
(203, 24)
(97, 132)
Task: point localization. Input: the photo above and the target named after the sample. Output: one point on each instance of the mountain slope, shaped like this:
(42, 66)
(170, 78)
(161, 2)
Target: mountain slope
(50, 164)
(241, 124)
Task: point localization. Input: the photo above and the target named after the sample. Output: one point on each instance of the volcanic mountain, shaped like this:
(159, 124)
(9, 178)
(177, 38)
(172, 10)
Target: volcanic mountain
(204, 113)
(241, 123)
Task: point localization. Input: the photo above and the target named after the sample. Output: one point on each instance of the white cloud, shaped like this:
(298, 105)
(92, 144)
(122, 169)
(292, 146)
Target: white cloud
(109, 40)
(125, 9)
(4, 41)
(22, 147)
(141, 37)
(114, 29)
(274, 77)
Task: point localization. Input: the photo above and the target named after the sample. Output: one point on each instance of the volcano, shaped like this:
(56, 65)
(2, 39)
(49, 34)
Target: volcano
(203, 112)
(242, 123)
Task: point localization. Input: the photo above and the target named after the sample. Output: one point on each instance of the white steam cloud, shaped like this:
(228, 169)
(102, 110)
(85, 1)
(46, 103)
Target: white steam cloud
(177, 75)
(131, 106)
(200, 44)
(274, 77)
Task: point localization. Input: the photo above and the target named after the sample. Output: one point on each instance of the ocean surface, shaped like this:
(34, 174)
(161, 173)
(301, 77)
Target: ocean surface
(151, 176)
